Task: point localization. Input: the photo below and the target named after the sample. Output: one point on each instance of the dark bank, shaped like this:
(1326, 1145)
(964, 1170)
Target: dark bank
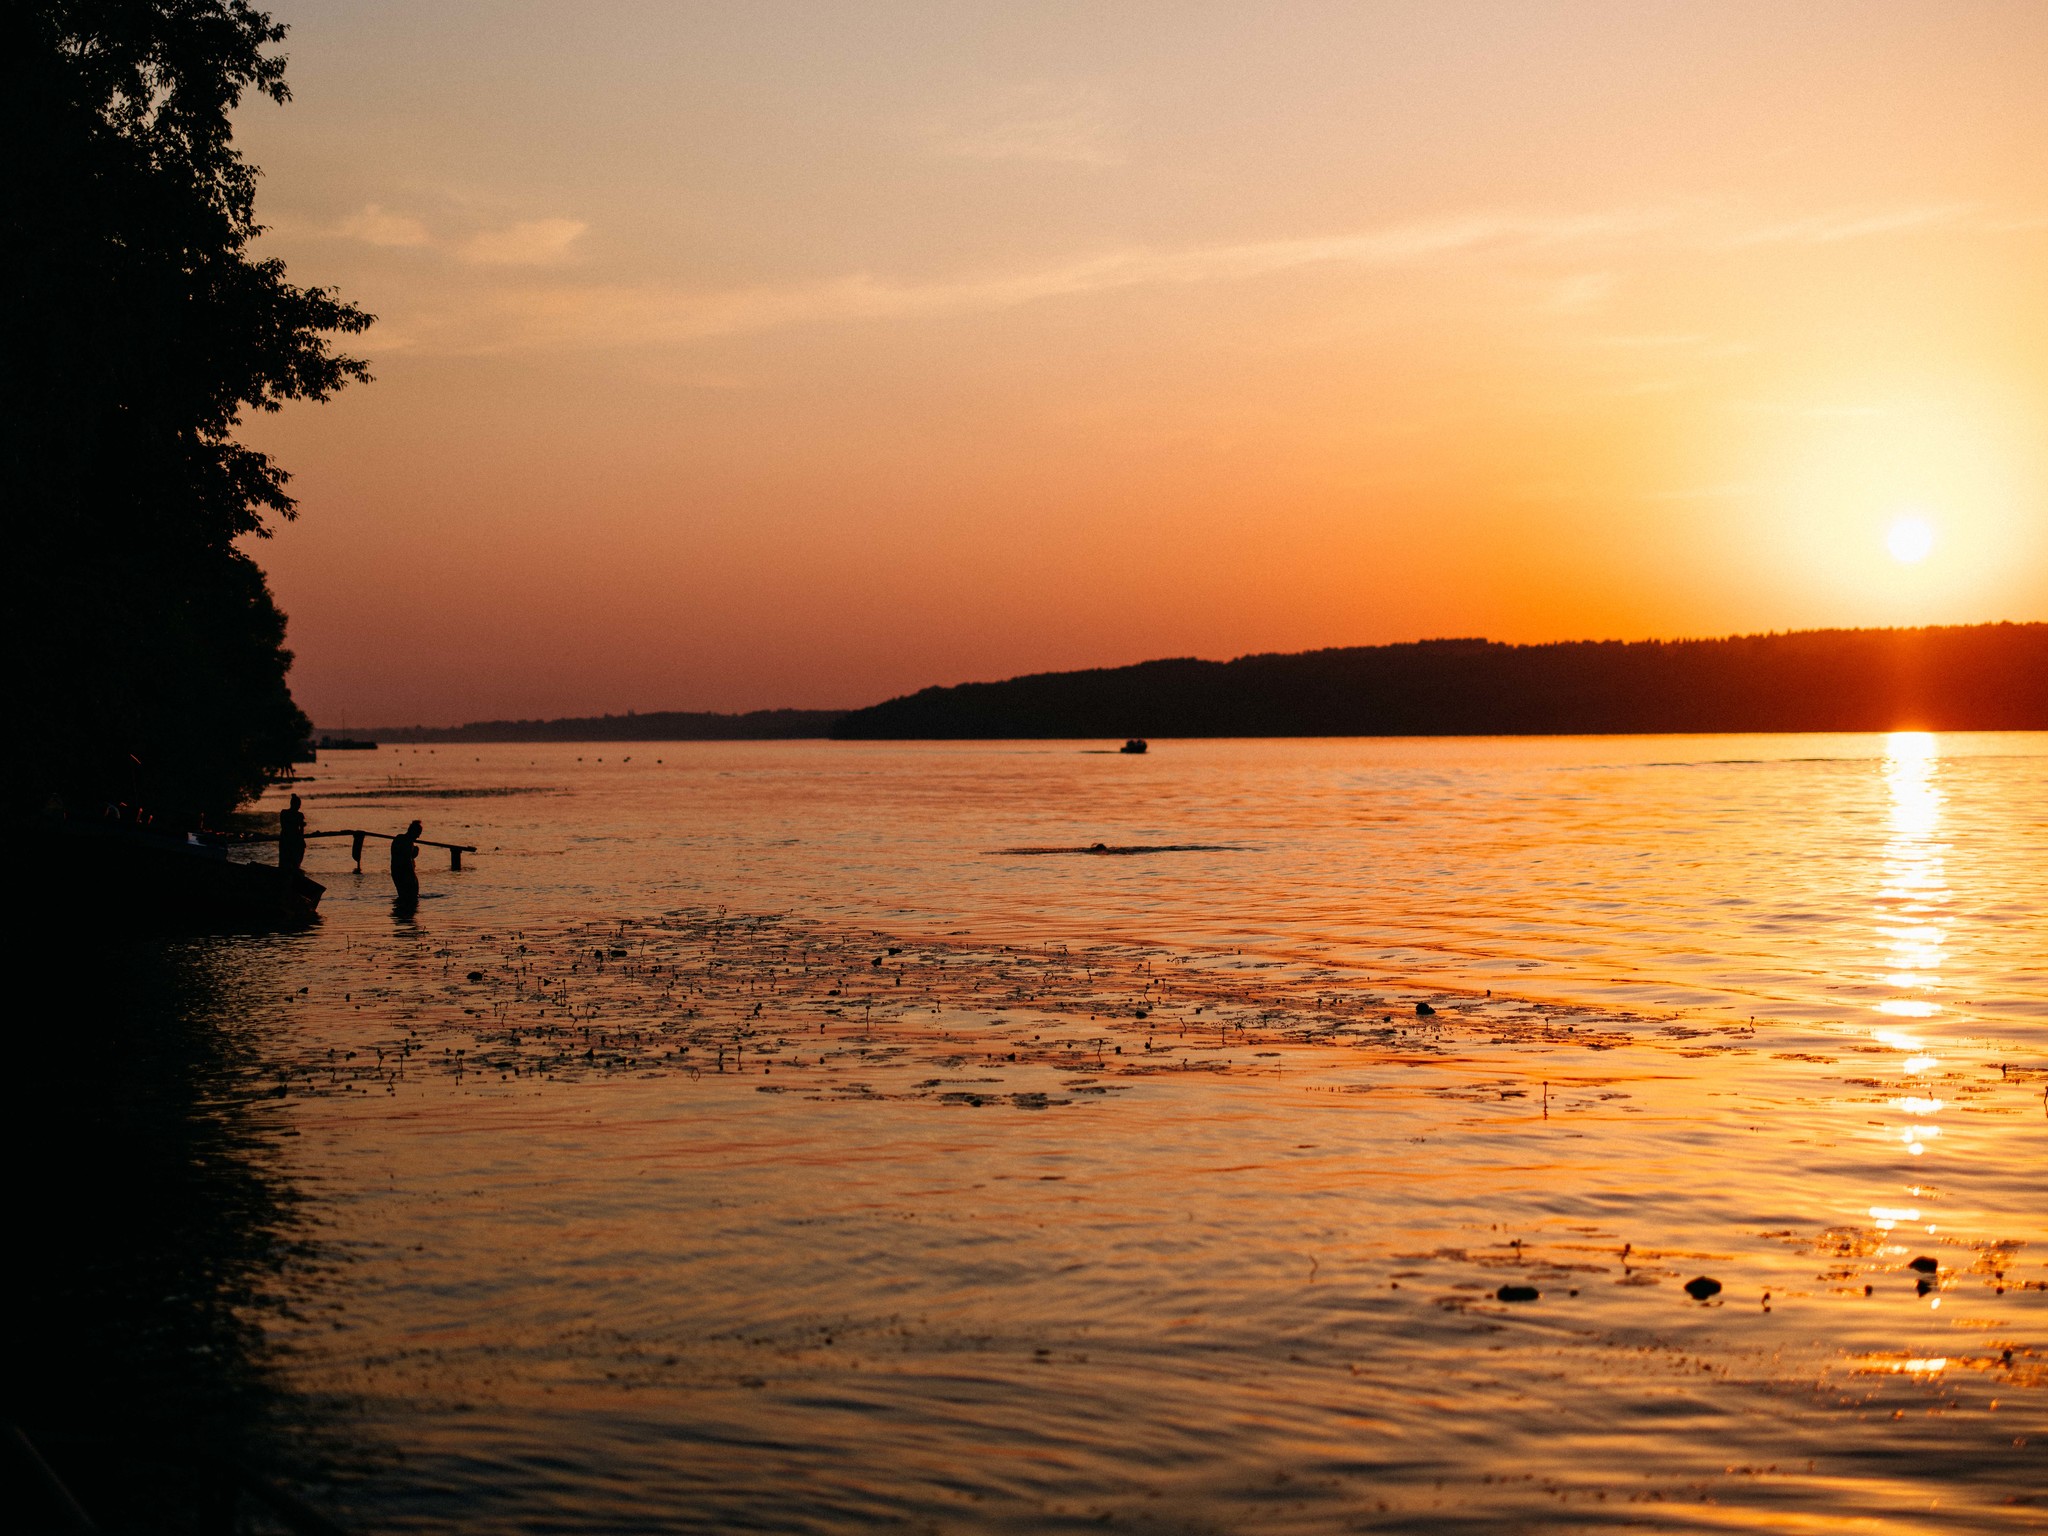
(156, 1231)
(1983, 677)
(152, 1230)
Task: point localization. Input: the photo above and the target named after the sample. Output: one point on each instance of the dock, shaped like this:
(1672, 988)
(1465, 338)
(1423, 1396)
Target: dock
(356, 836)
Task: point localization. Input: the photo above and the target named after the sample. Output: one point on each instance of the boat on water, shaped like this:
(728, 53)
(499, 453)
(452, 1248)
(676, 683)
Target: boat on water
(1135, 747)
(136, 878)
(344, 744)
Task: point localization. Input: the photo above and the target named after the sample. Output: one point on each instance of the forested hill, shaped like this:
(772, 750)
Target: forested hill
(1975, 677)
(662, 725)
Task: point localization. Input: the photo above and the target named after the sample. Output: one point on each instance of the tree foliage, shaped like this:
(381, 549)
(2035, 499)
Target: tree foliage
(138, 329)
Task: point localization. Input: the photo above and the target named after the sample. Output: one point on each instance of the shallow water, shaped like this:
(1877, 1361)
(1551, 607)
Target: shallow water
(745, 1139)
(1813, 876)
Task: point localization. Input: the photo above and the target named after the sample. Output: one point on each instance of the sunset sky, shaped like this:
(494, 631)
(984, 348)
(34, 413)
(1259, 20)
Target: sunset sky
(754, 354)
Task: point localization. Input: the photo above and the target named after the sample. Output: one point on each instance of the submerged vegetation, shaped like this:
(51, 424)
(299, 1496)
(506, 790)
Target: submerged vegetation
(147, 658)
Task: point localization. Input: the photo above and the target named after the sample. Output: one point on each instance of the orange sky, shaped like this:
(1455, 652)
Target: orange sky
(746, 355)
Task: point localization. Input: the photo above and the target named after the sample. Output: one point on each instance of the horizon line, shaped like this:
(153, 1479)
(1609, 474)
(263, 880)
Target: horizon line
(840, 710)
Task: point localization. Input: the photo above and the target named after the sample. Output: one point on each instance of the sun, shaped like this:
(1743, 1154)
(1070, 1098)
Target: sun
(1910, 540)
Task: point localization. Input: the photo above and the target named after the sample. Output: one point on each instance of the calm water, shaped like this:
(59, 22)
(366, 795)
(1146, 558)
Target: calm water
(747, 1140)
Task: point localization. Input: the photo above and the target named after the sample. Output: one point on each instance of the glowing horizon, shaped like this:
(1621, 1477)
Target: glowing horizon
(780, 356)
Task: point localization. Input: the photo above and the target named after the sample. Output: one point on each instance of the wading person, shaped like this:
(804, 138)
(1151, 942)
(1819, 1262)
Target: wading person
(291, 837)
(405, 853)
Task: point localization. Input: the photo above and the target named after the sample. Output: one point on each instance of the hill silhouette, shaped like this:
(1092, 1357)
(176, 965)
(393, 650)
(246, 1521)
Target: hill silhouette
(1966, 677)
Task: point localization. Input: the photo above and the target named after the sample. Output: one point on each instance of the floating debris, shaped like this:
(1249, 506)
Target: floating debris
(1119, 849)
(704, 992)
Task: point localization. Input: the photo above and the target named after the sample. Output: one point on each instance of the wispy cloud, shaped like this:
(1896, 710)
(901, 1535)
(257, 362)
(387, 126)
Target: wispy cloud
(535, 243)
(529, 243)
(1727, 490)
(1598, 246)
(1806, 411)
(1582, 291)
(603, 315)
(374, 226)
(1047, 124)
(1832, 228)
(1658, 340)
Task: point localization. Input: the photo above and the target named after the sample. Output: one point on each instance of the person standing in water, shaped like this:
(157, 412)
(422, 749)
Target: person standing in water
(405, 853)
(291, 837)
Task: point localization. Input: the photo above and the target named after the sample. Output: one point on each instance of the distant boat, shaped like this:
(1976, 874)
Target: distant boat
(131, 878)
(344, 744)
(1135, 746)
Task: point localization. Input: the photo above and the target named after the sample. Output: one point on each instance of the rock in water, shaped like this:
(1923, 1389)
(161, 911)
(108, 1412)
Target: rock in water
(1925, 1265)
(1424, 1011)
(1700, 1287)
(1517, 1293)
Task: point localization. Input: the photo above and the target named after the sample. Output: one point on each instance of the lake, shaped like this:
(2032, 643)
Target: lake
(811, 1136)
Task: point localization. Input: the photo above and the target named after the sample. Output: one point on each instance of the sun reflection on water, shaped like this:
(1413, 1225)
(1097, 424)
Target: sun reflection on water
(1908, 1007)
(1913, 893)
(1919, 1366)
(1912, 899)
(1915, 1137)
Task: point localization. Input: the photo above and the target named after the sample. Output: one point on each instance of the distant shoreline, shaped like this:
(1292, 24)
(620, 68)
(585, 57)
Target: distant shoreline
(661, 725)
(1990, 677)
(1987, 677)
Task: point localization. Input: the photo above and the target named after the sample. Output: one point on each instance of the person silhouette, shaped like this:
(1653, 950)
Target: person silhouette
(405, 852)
(291, 837)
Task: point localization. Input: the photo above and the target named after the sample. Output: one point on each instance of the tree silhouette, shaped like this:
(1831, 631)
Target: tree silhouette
(1978, 677)
(148, 656)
